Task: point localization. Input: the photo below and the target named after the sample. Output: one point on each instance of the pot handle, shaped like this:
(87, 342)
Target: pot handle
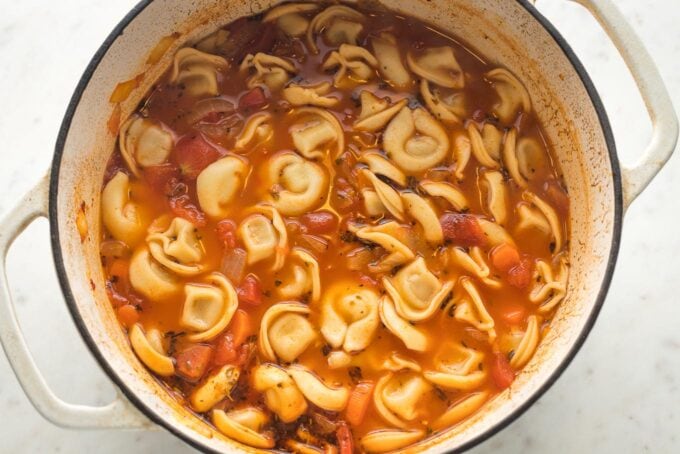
(118, 414)
(635, 178)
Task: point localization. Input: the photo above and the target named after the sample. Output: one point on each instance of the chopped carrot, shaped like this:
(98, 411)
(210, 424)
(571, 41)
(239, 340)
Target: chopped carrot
(192, 362)
(344, 436)
(225, 350)
(119, 268)
(240, 326)
(504, 257)
(358, 402)
(128, 315)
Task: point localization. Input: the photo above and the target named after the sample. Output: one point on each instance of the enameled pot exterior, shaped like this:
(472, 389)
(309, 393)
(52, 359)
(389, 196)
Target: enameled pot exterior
(511, 33)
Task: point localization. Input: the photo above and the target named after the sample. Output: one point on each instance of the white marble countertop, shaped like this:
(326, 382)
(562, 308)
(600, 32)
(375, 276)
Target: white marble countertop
(620, 394)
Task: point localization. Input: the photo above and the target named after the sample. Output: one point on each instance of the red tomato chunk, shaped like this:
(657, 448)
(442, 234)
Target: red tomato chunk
(193, 154)
(250, 291)
(519, 276)
(319, 222)
(226, 231)
(501, 372)
(192, 362)
(183, 207)
(462, 229)
(253, 99)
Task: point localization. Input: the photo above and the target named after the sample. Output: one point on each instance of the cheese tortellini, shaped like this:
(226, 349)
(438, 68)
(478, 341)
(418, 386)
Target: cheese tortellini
(150, 349)
(122, 217)
(513, 96)
(457, 368)
(297, 185)
(269, 70)
(244, 425)
(305, 279)
(285, 331)
(208, 307)
(318, 132)
(281, 395)
(219, 183)
(312, 95)
(390, 63)
(470, 308)
(397, 395)
(437, 65)
(349, 317)
(144, 143)
(150, 278)
(351, 62)
(417, 293)
(376, 112)
(340, 24)
(415, 141)
(197, 71)
(265, 236)
(178, 248)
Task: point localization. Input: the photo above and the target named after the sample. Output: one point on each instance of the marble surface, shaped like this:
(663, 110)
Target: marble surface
(619, 395)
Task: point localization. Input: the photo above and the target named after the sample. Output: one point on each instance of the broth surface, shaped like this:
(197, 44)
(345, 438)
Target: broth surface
(495, 267)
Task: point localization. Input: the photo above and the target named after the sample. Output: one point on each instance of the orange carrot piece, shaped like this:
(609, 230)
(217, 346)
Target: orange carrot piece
(358, 402)
(504, 257)
(128, 315)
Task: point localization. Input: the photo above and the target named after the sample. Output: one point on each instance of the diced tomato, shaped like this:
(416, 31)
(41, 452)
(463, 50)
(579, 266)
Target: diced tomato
(462, 229)
(344, 436)
(192, 362)
(345, 198)
(193, 154)
(557, 196)
(501, 372)
(358, 402)
(226, 231)
(127, 315)
(513, 314)
(183, 207)
(319, 222)
(519, 276)
(225, 350)
(504, 257)
(253, 99)
(159, 177)
(245, 352)
(250, 291)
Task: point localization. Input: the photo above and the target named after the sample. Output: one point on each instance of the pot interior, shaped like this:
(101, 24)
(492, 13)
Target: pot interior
(504, 32)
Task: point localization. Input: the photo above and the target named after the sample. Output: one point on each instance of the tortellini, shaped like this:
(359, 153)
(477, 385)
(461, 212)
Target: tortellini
(149, 348)
(446, 191)
(425, 215)
(396, 397)
(486, 145)
(305, 277)
(376, 112)
(197, 71)
(496, 190)
(390, 64)
(388, 440)
(513, 96)
(457, 368)
(351, 62)
(265, 236)
(380, 165)
(152, 279)
(316, 391)
(218, 184)
(312, 95)
(122, 217)
(411, 336)
(244, 425)
(281, 394)
(550, 216)
(462, 151)
(349, 316)
(550, 286)
(460, 409)
(319, 131)
(288, 18)
(387, 195)
(437, 65)
(208, 307)
(449, 108)
(215, 388)
(415, 141)
(417, 293)
(258, 130)
(269, 70)
(474, 262)
(470, 308)
(177, 248)
(144, 143)
(527, 346)
(285, 331)
(386, 235)
(297, 185)
(341, 24)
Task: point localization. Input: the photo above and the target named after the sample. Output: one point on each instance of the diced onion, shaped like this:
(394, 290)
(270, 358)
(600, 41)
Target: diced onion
(317, 244)
(114, 248)
(207, 106)
(234, 264)
(359, 258)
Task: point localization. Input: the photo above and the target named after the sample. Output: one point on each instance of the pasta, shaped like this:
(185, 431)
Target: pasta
(329, 228)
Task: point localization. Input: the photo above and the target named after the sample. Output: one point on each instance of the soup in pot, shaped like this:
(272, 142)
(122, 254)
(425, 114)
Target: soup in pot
(329, 228)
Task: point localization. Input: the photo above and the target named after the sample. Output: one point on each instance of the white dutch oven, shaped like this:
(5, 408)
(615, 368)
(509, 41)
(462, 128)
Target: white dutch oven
(510, 32)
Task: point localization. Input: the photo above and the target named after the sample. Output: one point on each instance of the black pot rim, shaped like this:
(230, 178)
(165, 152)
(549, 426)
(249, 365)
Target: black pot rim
(151, 414)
